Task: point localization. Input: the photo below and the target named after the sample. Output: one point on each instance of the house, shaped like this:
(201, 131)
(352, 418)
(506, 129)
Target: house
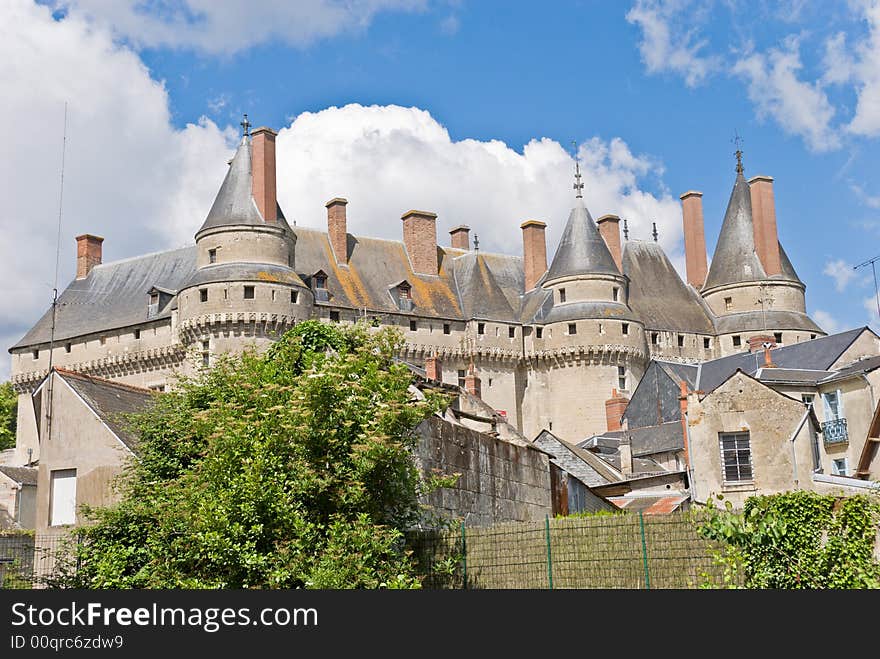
(18, 496)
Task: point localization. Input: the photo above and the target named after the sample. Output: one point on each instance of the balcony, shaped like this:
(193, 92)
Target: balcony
(834, 431)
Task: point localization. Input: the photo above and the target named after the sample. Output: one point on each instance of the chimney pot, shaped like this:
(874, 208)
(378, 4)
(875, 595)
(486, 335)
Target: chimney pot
(337, 228)
(264, 174)
(694, 238)
(88, 254)
(460, 237)
(609, 229)
(757, 342)
(534, 252)
(420, 240)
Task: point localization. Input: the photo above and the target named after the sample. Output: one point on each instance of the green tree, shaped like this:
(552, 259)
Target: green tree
(8, 415)
(289, 469)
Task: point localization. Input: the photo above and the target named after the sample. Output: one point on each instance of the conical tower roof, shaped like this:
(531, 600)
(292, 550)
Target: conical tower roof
(735, 259)
(235, 203)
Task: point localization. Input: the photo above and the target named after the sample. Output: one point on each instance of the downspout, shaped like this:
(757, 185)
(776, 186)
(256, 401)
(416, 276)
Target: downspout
(791, 439)
(686, 435)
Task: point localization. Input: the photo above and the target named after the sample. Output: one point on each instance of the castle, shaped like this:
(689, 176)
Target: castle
(556, 347)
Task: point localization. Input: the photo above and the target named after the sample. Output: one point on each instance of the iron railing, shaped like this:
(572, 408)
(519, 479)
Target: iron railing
(834, 432)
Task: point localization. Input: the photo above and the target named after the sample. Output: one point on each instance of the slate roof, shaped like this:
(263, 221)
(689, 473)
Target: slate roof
(234, 203)
(658, 294)
(581, 248)
(756, 321)
(586, 467)
(795, 375)
(859, 366)
(110, 401)
(257, 272)
(679, 372)
(21, 475)
(479, 293)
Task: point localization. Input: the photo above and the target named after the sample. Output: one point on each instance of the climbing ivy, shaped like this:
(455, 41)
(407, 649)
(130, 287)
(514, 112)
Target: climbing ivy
(796, 540)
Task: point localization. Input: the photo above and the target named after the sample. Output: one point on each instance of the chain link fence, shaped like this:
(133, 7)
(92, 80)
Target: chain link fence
(29, 561)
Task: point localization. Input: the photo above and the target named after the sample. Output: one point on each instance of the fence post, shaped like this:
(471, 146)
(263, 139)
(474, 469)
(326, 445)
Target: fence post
(644, 551)
(463, 556)
(549, 553)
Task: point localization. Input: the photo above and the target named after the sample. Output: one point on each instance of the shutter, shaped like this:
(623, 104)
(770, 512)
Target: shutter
(840, 414)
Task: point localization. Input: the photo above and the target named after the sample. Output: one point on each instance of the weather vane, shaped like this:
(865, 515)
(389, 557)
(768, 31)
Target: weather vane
(625, 229)
(245, 126)
(738, 141)
(578, 185)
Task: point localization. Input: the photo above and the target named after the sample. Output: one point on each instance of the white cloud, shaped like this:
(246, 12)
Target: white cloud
(841, 272)
(232, 25)
(866, 120)
(837, 62)
(871, 201)
(870, 305)
(827, 322)
(801, 108)
(666, 46)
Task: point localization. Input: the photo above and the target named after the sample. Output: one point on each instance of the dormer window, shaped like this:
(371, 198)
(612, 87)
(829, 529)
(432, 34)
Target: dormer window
(404, 290)
(320, 280)
(157, 299)
(319, 283)
(401, 293)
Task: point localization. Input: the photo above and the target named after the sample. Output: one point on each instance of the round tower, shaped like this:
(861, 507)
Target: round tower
(244, 284)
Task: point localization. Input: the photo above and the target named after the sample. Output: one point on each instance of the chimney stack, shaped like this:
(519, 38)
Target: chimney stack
(88, 254)
(757, 342)
(609, 228)
(263, 167)
(337, 230)
(626, 457)
(534, 251)
(614, 409)
(433, 369)
(472, 383)
(460, 237)
(694, 238)
(420, 240)
(764, 223)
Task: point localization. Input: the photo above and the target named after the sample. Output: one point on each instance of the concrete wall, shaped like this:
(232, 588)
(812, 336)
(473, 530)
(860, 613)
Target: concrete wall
(499, 481)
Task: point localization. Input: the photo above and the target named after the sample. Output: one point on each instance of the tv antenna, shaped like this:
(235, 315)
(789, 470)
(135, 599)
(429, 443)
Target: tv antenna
(874, 272)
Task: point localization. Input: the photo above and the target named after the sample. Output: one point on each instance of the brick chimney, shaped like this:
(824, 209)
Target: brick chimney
(88, 254)
(694, 238)
(614, 409)
(420, 240)
(683, 406)
(263, 165)
(757, 342)
(764, 223)
(433, 369)
(534, 251)
(337, 230)
(460, 237)
(472, 382)
(609, 228)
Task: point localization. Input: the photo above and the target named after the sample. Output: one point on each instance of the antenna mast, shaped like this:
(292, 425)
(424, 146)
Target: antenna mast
(874, 271)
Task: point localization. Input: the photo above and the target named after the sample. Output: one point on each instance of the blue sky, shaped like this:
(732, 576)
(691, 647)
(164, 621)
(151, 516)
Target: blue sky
(651, 91)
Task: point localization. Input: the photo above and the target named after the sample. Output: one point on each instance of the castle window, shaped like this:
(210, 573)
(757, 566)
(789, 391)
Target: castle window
(137, 334)
(490, 382)
(404, 290)
(539, 332)
(294, 295)
(601, 329)
(624, 328)
(203, 295)
(621, 378)
(36, 354)
(655, 338)
(334, 316)
(67, 347)
(481, 328)
(812, 336)
(206, 355)
(273, 295)
(737, 341)
(728, 303)
(615, 293)
(572, 328)
(511, 332)
(154, 299)
(461, 374)
(681, 340)
(446, 328)
(707, 342)
(562, 295)
(225, 293)
(777, 336)
(320, 280)
(248, 292)
(412, 326)
(212, 256)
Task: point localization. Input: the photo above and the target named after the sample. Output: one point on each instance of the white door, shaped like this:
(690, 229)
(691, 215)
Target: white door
(63, 492)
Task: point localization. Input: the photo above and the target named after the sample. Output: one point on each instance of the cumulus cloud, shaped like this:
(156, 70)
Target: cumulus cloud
(827, 322)
(801, 108)
(232, 25)
(866, 120)
(666, 45)
(841, 272)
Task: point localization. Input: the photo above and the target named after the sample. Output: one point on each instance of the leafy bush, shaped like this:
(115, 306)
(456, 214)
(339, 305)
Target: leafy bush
(8, 415)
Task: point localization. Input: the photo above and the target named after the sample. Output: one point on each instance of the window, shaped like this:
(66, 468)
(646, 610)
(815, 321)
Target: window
(833, 406)
(404, 291)
(103, 340)
(539, 332)
(681, 341)
(461, 375)
(36, 354)
(334, 316)
(839, 467)
(737, 341)
(62, 497)
(490, 382)
(812, 336)
(203, 295)
(206, 355)
(511, 332)
(225, 293)
(137, 334)
(562, 295)
(248, 292)
(273, 295)
(736, 456)
(154, 299)
(294, 296)
(624, 329)
(655, 338)
(615, 293)
(707, 342)
(621, 378)
(778, 337)
(67, 346)
(572, 328)
(212, 256)
(446, 328)
(412, 326)
(601, 329)
(728, 303)
(481, 328)
(320, 280)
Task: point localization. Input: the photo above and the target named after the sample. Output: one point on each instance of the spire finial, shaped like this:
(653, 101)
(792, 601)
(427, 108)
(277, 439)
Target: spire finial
(654, 232)
(476, 243)
(737, 140)
(578, 185)
(625, 229)
(245, 126)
